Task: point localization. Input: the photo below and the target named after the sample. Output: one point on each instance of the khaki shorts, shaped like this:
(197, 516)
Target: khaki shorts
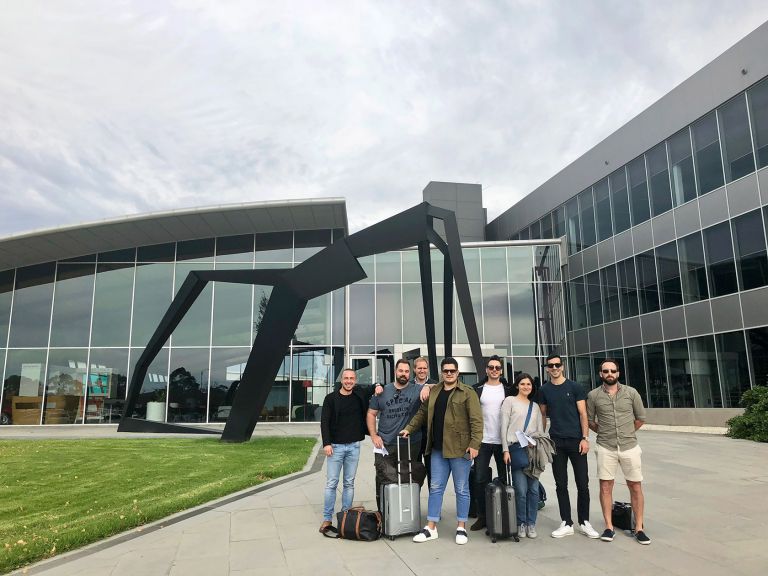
(609, 460)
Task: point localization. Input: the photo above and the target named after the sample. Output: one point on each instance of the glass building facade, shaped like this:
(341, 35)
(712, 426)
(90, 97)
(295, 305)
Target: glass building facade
(667, 264)
(72, 330)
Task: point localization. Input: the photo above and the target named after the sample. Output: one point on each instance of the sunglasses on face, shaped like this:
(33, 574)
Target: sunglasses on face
(490, 367)
(555, 365)
(449, 371)
(609, 371)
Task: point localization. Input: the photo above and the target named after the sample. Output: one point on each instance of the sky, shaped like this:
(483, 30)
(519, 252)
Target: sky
(110, 108)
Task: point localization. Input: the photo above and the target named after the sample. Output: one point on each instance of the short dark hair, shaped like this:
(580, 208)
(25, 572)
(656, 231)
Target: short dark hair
(497, 358)
(612, 361)
(551, 357)
(448, 360)
(516, 385)
(402, 361)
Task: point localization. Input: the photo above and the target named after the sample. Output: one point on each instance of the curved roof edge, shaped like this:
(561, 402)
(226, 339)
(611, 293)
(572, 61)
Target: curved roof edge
(70, 241)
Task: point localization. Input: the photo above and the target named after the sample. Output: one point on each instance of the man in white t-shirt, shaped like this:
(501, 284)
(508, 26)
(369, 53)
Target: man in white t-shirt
(492, 394)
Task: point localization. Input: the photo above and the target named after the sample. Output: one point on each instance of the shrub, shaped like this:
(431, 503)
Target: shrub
(753, 424)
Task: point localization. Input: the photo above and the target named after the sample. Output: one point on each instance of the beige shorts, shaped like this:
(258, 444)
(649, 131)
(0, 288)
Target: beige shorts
(609, 460)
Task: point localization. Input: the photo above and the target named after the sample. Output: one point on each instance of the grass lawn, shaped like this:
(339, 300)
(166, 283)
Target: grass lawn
(56, 495)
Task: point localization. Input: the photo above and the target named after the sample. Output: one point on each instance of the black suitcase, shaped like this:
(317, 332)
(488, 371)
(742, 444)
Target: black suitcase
(500, 510)
(623, 517)
(473, 489)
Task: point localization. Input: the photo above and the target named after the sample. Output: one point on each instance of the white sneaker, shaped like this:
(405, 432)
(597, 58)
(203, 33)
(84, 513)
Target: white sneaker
(563, 531)
(461, 536)
(530, 531)
(426, 534)
(588, 531)
(521, 531)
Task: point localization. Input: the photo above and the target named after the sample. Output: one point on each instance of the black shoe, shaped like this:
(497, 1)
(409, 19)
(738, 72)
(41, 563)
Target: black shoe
(478, 525)
(607, 535)
(642, 538)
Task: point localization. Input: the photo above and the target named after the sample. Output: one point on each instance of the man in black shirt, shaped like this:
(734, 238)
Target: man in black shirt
(564, 401)
(342, 426)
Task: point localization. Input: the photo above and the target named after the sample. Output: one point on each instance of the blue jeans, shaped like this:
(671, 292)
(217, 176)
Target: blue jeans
(344, 456)
(441, 469)
(526, 497)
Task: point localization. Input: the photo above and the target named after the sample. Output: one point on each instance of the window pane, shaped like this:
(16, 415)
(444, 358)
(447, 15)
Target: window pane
(231, 311)
(669, 275)
(559, 222)
(694, 274)
(525, 233)
(32, 306)
(620, 200)
(646, 282)
(574, 230)
(494, 264)
(610, 286)
(112, 305)
(107, 385)
(703, 367)
(71, 321)
(496, 314)
(737, 145)
(461, 331)
(523, 317)
(734, 371)
(594, 300)
(195, 327)
(195, 250)
(547, 263)
(413, 315)
(361, 314)
(679, 380)
(471, 263)
(585, 373)
(578, 299)
(709, 164)
(758, 354)
(261, 295)
(188, 385)
(156, 253)
(681, 164)
(749, 241)
(638, 191)
(23, 389)
(628, 288)
(758, 110)
(388, 267)
(603, 210)
(520, 263)
(535, 230)
(151, 402)
(152, 296)
(274, 247)
(719, 253)
(315, 326)
(309, 242)
(655, 368)
(6, 295)
(587, 216)
(227, 365)
(634, 371)
(311, 380)
(388, 315)
(235, 249)
(65, 388)
(658, 175)
(339, 315)
(276, 408)
(122, 256)
(546, 226)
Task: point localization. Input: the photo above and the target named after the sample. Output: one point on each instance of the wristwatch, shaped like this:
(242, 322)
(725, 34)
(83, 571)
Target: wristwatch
(585, 438)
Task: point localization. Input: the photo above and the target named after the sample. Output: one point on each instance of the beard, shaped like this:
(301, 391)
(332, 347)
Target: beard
(402, 380)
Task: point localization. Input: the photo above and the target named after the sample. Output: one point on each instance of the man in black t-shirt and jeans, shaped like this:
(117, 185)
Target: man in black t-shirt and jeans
(564, 401)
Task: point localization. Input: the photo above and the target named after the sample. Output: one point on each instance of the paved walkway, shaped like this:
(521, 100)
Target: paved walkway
(706, 501)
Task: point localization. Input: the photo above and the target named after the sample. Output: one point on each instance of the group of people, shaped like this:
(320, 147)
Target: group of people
(451, 425)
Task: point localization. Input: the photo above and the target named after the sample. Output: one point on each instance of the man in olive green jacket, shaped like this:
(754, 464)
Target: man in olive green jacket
(454, 432)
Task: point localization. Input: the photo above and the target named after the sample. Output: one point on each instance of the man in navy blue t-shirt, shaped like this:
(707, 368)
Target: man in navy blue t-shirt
(564, 401)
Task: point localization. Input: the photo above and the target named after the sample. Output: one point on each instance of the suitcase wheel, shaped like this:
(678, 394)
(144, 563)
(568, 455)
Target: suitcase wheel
(517, 538)
(487, 532)
(493, 540)
(392, 538)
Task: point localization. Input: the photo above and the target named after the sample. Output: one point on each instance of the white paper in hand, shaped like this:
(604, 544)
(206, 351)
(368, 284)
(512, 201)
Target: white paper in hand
(524, 439)
(382, 451)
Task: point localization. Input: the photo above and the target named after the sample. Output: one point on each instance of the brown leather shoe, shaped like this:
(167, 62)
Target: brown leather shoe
(479, 524)
(324, 527)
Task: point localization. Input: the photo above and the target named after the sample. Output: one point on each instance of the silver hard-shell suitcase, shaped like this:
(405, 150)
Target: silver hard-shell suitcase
(500, 509)
(400, 502)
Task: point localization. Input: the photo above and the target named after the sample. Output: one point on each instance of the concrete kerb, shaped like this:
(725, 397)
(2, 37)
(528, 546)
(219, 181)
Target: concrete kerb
(314, 464)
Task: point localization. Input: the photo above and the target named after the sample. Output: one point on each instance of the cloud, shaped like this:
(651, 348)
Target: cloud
(142, 106)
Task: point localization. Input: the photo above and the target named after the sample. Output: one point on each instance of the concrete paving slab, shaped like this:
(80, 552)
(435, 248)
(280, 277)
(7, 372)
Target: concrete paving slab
(706, 511)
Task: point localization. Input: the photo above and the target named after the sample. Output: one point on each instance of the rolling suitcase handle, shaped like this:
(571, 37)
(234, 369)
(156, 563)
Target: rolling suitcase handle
(399, 479)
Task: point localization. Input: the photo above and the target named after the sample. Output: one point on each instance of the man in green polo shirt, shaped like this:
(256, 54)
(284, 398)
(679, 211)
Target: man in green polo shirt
(615, 411)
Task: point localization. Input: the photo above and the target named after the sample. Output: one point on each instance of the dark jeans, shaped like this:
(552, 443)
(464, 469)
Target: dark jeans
(568, 449)
(426, 459)
(482, 478)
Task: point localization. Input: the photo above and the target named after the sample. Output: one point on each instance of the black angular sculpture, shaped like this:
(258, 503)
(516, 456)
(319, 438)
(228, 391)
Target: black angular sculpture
(333, 267)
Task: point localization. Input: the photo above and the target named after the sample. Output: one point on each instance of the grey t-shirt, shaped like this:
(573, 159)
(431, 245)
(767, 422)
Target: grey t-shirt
(396, 408)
